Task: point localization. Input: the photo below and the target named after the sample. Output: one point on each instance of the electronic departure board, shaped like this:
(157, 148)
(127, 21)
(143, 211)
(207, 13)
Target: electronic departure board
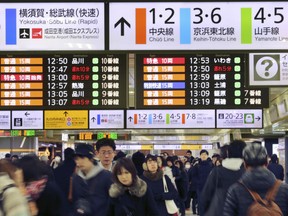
(195, 81)
(63, 81)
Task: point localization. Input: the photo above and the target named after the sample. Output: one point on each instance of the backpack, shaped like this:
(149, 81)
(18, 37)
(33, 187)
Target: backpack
(267, 206)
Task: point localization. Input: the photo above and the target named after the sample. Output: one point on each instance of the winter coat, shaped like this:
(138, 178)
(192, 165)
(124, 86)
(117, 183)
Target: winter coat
(230, 172)
(137, 199)
(93, 188)
(202, 171)
(155, 183)
(62, 175)
(182, 184)
(260, 180)
(51, 201)
(192, 178)
(14, 203)
(277, 170)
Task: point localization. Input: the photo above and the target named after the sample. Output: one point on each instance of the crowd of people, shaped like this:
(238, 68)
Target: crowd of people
(99, 182)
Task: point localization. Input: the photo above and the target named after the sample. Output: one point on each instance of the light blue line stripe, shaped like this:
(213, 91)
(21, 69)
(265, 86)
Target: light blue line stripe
(11, 27)
(185, 26)
(150, 119)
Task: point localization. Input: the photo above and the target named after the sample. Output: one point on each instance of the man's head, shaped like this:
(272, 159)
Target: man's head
(235, 149)
(84, 154)
(255, 155)
(204, 155)
(189, 153)
(105, 149)
(274, 158)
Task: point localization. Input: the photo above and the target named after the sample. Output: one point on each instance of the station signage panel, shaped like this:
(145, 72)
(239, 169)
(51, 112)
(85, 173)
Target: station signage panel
(106, 119)
(61, 81)
(198, 25)
(242, 118)
(195, 81)
(27, 119)
(52, 26)
(5, 120)
(170, 119)
(268, 69)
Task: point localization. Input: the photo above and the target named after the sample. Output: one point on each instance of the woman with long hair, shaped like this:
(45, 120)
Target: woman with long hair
(130, 194)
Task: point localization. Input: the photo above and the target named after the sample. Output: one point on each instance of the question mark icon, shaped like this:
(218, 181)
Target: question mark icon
(266, 68)
(268, 64)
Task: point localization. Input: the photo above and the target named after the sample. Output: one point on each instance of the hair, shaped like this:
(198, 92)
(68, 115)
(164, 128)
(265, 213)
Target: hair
(69, 154)
(204, 151)
(105, 142)
(127, 164)
(188, 151)
(180, 164)
(255, 155)
(235, 149)
(33, 168)
(171, 159)
(6, 166)
(274, 158)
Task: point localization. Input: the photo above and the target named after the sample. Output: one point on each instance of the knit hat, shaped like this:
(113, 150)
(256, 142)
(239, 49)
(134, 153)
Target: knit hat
(150, 157)
(84, 150)
(255, 155)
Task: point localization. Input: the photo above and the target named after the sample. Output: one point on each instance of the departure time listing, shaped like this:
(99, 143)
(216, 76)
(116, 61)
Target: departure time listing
(59, 81)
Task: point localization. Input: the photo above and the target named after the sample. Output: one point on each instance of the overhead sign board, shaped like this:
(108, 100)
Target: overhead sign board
(201, 80)
(268, 69)
(198, 25)
(5, 120)
(106, 119)
(28, 119)
(242, 118)
(52, 26)
(170, 118)
(66, 119)
(58, 81)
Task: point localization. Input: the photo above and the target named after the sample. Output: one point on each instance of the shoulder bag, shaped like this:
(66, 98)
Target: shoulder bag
(170, 204)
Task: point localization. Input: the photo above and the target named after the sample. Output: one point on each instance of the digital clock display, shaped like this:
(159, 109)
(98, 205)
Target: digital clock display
(61, 81)
(195, 81)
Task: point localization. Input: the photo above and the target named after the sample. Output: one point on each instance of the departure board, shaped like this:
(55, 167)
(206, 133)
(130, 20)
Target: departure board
(195, 81)
(63, 81)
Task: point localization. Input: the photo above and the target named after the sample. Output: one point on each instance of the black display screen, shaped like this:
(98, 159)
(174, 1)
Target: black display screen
(63, 81)
(195, 81)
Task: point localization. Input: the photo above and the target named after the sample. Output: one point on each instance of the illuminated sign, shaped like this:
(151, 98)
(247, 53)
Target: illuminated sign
(106, 119)
(268, 69)
(66, 119)
(77, 81)
(198, 25)
(28, 119)
(249, 118)
(5, 119)
(195, 81)
(52, 26)
(170, 118)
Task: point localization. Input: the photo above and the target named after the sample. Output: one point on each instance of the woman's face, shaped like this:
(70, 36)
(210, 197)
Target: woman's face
(125, 177)
(152, 166)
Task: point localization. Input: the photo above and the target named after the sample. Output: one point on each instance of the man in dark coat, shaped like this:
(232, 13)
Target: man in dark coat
(257, 178)
(276, 168)
(90, 184)
(230, 172)
(202, 171)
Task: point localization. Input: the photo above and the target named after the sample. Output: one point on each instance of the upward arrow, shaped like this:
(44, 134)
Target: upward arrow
(122, 22)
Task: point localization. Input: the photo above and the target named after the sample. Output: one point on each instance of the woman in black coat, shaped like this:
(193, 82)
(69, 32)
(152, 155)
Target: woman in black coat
(129, 194)
(153, 176)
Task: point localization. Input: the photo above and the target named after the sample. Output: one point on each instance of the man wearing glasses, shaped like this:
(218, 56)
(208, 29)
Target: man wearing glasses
(105, 151)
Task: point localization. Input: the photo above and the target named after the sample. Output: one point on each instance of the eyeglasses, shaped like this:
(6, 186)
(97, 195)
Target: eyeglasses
(106, 152)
